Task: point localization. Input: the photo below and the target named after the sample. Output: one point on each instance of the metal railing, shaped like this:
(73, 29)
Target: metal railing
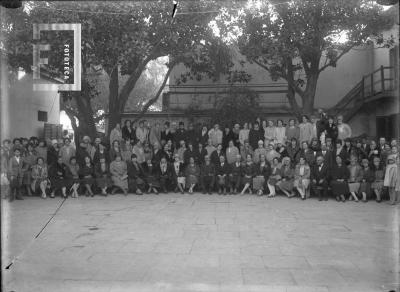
(377, 82)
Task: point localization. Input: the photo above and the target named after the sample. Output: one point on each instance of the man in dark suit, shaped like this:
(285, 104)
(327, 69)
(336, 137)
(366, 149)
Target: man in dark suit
(216, 155)
(16, 168)
(207, 175)
(327, 155)
(222, 172)
(319, 179)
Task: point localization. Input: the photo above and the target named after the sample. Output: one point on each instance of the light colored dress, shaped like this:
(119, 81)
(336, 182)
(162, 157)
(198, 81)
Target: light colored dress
(280, 134)
(119, 176)
(302, 176)
(270, 133)
(306, 132)
(344, 131)
(257, 154)
(243, 135)
(231, 153)
(355, 178)
(391, 175)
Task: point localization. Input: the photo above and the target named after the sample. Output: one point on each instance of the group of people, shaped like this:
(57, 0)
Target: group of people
(317, 157)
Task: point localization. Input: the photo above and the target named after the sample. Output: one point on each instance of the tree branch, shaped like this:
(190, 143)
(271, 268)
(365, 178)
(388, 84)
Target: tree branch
(345, 51)
(155, 98)
(289, 81)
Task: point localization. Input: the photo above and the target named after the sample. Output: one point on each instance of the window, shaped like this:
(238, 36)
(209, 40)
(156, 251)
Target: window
(42, 116)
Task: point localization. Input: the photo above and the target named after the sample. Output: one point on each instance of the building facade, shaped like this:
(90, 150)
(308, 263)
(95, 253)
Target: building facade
(25, 111)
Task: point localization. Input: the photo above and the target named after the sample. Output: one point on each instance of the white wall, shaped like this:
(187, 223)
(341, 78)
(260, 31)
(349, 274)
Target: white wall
(24, 104)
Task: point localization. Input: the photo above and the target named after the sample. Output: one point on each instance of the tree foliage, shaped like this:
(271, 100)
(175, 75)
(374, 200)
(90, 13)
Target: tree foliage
(297, 40)
(239, 105)
(120, 38)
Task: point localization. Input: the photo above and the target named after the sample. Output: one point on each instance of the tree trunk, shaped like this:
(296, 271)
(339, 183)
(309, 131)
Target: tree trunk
(114, 116)
(296, 110)
(309, 94)
(156, 97)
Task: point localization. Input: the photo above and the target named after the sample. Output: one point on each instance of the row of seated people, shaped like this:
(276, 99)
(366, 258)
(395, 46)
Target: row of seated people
(358, 180)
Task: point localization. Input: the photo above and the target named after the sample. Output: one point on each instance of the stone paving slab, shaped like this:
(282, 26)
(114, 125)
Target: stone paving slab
(198, 243)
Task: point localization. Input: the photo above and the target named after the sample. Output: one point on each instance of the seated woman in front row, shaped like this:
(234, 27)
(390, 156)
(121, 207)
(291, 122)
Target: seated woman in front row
(339, 177)
(103, 180)
(57, 177)
(87, 176)
(119, 176)
(72, 175)
(248, 172)
(275, 177)
(151, 177)
(39, 177)
(192, 173)
(287, 173)
(302, 177)
(178, 175)
(222, 170)
(136, 183)
(262, 173)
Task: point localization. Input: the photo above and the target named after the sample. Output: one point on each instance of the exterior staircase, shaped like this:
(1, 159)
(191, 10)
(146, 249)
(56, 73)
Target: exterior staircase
(373, 86)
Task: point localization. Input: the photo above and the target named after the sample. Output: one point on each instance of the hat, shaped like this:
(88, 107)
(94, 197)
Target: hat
(54, 141)
(86, 138)
(391, 157)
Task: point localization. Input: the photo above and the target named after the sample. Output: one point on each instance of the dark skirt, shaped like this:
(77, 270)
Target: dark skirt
(221, 181)
(57, 183)
(152, 180)
(365, 187)
(103, 182)
(247, 180)
(88, 180)
(191, 179)
(286, 185)
(339, 188)
(27, 179)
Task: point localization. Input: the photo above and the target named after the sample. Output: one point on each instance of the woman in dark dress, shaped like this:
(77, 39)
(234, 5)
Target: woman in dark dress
(72, 175)
(377, 185)
(151, 177)
(331, 130)
(127, 132)
(102, 173)
(201, 153)
(57, 177)
(368, 176)
(158, 153)
(87, 175)
(168, 152)
(136, 183)
(339, 177)
(101, 152)
(203, 136)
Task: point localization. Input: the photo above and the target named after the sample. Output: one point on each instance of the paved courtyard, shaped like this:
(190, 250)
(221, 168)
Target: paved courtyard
(199, 242)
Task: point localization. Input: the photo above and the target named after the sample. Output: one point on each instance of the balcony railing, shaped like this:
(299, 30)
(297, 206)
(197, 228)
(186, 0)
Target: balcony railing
(374, 85)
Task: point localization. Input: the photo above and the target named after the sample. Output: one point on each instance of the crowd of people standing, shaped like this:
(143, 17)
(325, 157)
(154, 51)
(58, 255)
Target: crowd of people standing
(316, 157)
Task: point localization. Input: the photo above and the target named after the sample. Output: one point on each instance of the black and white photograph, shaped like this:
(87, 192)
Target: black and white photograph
(200, 146)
